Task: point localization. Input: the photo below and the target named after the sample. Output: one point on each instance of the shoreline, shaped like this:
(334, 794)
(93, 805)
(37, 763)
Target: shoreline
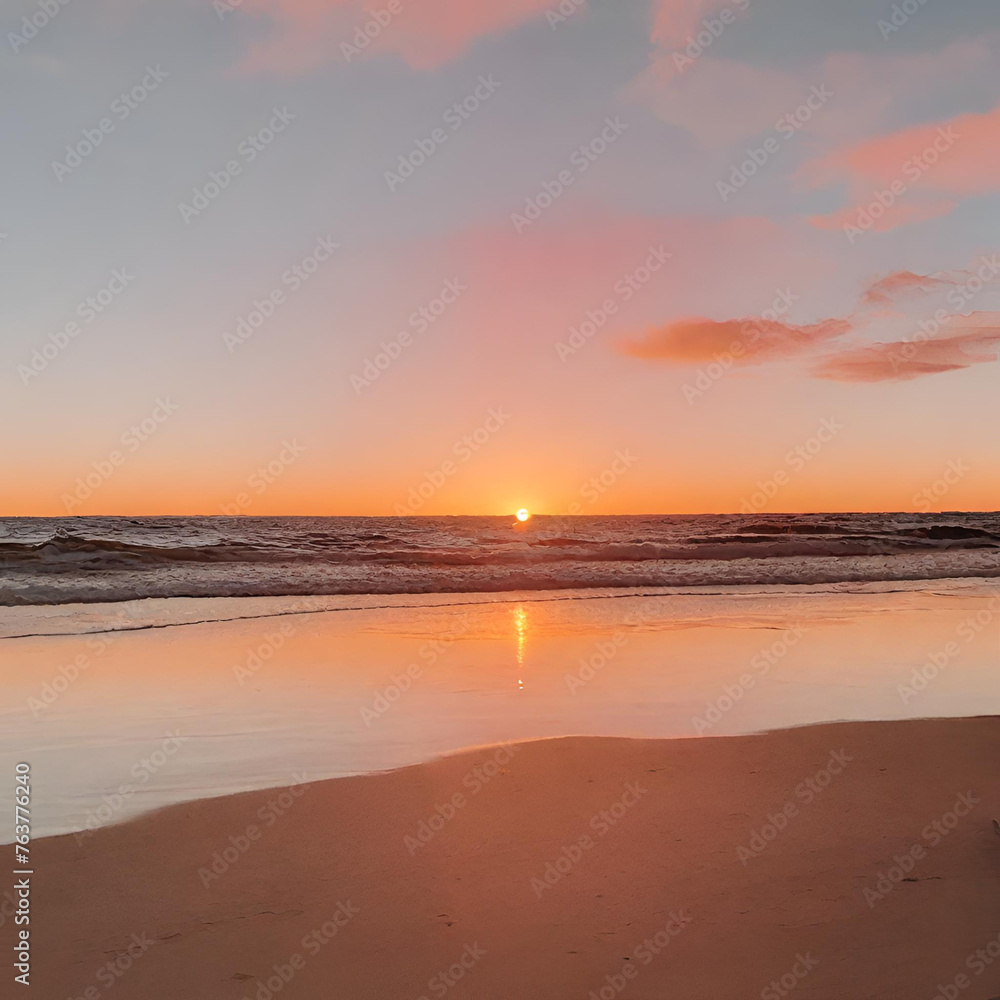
(292, 604)
(566, 855)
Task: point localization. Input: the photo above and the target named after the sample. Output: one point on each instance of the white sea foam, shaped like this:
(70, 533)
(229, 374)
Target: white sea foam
(61, 560)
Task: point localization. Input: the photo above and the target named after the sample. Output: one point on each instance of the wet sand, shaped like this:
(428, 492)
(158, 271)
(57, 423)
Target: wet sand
(834, 861)
(257, 699)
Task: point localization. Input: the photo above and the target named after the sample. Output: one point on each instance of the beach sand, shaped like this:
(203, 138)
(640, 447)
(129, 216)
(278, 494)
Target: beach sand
(555, 869)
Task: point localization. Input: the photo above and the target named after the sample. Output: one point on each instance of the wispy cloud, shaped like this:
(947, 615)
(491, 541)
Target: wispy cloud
(901, 213)
(305, 34)
(955, 158)
(674, 21)
(910, 359)
(899, 284)
(752, 341)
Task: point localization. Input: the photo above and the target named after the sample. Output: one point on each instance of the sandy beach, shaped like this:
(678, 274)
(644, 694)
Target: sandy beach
(837, 861)
(501, 501)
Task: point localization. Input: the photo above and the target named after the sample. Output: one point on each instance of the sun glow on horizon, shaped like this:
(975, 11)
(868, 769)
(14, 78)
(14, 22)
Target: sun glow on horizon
(523, 514)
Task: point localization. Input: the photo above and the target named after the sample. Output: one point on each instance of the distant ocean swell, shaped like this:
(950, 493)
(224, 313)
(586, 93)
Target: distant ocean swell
(60, 560)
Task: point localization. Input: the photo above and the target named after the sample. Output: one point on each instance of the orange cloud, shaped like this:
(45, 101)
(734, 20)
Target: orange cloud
(973, 338)
(909, 359)
(426, 33)
(747, 341)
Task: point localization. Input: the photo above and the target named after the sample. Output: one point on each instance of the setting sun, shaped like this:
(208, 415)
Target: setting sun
(523, 514)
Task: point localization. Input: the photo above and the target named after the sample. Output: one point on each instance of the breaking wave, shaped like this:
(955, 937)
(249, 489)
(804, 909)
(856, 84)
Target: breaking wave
(87, 559)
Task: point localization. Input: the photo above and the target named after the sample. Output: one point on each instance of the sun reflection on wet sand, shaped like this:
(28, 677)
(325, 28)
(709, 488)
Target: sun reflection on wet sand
(521, 628)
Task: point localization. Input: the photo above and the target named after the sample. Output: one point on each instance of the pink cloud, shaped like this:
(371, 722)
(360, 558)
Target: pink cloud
(953, 342)
(902, 283)
(750, 341)
(899, 214)
(426, 33)
(722, 100)
(674, 21)
(909, 359)
(956, 158)
(719, 101)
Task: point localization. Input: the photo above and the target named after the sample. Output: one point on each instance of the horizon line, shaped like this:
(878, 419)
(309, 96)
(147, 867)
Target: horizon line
(540, 514)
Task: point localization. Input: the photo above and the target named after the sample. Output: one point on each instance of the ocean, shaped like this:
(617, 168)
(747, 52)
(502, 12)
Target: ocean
(93, 559)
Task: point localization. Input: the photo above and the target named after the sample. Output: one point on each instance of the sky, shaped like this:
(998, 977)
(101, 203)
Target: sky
(464, 256)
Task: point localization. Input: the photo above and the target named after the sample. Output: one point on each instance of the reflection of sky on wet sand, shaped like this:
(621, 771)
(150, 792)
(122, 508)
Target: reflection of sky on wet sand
(349, 691)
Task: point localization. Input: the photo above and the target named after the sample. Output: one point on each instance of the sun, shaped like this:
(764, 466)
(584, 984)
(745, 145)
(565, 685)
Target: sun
(523, 514)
